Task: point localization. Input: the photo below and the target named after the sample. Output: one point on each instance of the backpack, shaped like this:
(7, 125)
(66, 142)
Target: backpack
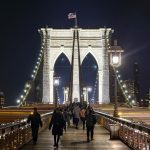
(90, 120)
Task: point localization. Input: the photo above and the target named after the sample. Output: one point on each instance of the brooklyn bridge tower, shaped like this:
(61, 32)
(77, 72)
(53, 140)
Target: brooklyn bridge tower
(75, 44)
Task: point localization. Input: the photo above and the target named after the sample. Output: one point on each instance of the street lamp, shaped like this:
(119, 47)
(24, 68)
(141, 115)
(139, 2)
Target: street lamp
(65, 96)
(115, 61)
(89, 89)
(18, 101)
(56, 84)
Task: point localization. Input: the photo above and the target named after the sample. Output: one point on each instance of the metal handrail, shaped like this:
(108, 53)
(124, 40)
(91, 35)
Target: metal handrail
(134, 135)
(125, 122)
(15, 135)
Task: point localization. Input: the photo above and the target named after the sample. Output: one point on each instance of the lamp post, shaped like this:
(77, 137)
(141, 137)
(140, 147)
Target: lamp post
(66, 91)
(115, 61)
(65, 96)
(89, 89)
(56, 84)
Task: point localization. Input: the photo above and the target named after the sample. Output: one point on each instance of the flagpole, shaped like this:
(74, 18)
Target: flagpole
(76, 25)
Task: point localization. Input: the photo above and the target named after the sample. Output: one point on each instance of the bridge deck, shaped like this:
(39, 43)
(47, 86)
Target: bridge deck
(75, 139)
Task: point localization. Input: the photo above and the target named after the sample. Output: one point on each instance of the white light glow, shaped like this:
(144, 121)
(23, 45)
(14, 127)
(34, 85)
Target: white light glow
(89, 89)
(66, 92)
(115, 60)
(119, 76)
(32, 76)
(56, 82)
(18, 101)
(124, 86)
(27, 85)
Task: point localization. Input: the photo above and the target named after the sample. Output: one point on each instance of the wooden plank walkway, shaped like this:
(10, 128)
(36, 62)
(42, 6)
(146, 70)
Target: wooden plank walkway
(75, 139)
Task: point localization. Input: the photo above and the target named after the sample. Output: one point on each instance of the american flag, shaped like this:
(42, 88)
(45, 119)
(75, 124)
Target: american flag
(71, 15)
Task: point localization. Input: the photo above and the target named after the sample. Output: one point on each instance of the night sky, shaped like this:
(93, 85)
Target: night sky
(20, 40)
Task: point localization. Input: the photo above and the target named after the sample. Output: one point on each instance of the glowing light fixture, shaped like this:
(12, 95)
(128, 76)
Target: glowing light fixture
(129, 96)
(89, 89)
(18, 100)
(126, 91)
(25, 90)
(124, 86)
(115, 61)
(56, 81)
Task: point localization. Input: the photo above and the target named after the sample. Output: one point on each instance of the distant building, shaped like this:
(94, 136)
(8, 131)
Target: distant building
(2, 99)
(147, 99)
(136, 82)
(130, 86)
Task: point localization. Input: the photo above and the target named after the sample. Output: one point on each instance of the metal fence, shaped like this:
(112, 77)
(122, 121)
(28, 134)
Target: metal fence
(15, 135)
(135, 135)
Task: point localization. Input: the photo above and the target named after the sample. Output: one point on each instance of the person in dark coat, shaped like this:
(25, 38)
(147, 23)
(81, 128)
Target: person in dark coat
(57, 124)
(90, 123)
(35, 120)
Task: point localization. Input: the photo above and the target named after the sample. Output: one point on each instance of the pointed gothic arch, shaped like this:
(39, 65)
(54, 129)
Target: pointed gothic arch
(89, 76)
(62, 68)
(87, 53)
(56, 57)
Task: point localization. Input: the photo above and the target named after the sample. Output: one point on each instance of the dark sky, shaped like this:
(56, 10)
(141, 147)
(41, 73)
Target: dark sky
(20, 41)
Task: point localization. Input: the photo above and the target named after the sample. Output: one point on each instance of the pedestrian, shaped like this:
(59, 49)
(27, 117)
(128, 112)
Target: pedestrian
(66, 116)
(69, 115)
(76, 115)
(35, 120)
(64, 113)
(90, 123)
(57, 124)
(82, 116)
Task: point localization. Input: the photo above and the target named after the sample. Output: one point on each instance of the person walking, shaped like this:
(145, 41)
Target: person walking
(90, 123)
(35, 120)
(82, 116)
(76, 115)
(57, 124)
(68, 116)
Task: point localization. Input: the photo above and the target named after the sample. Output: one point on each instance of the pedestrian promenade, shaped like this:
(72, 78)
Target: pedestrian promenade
(75, 139)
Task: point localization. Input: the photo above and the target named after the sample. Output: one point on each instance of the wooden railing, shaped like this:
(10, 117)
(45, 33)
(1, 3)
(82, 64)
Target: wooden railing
(16, 134)
(135, 135)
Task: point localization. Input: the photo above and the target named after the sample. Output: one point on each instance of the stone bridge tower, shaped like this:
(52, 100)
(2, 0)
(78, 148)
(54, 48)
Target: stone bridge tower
(75, 43)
